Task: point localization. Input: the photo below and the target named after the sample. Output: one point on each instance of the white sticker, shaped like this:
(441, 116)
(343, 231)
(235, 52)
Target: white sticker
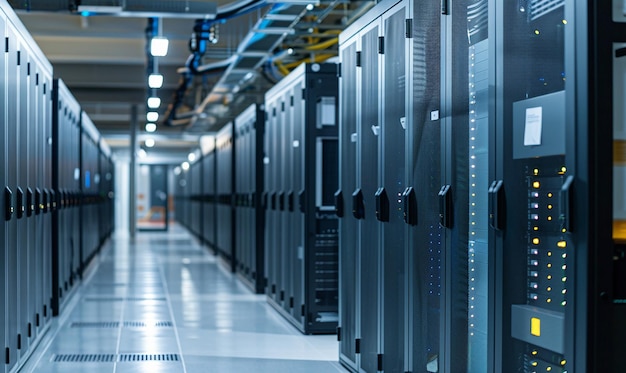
(266, 160)
(434, 115)
(403, 122)
(354, 137)
(532, 129)
(296, 143)
(376, 130)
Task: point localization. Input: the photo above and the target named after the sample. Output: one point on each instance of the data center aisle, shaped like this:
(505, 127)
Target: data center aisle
(164, 304)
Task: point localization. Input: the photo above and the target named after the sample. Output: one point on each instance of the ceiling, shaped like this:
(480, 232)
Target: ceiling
(104, 61)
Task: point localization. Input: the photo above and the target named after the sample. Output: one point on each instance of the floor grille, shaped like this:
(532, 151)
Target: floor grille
(125, 324)
(112, 358)
(120, 299)
(148, 357)
(84, 358)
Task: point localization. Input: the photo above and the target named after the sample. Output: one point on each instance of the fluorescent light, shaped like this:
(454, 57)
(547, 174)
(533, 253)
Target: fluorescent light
(142, 153)
(151, 127)
(177, 170)
(185, 166)
(152, 116)
(155, 81)
(154, 102)
(158, 46)
(149, 143)
(191, 157)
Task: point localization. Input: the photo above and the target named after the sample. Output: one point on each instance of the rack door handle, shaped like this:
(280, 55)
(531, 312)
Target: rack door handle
(339, 203)
(8, 204)
(382, 205)
(445, 206)
(302, 200)
(409, 206)
(565, 208)
(496, 205)
(358, 208)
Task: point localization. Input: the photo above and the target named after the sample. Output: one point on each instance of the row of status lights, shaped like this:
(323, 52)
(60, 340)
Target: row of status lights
(158, 48)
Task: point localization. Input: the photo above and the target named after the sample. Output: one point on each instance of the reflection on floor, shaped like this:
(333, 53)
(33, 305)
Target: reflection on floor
(164, 304)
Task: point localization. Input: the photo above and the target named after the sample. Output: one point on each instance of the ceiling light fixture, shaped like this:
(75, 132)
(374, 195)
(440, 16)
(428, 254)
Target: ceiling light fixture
(191, 157)
(151, 127)
(185, 166)
(152, 116)
(154, 102)
(159, 46)
(155, 81)
(149, 143)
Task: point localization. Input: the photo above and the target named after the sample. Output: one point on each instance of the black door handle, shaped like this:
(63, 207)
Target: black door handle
(358, 209)
(565, 208)
(382, 205)
(46, 200)
(264, 200)
(409, 202)
(290, 201)
(273, 200)
(8, 204)
(30, 202)
(38, 201)
(281, 201)
(445, 206)
(339, 203)
(302, 201)
(496, 205)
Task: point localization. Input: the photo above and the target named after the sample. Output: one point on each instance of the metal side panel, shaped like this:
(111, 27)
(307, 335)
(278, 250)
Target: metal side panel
(4, 206)
(368, 134)
(13, 118)
(348, 230)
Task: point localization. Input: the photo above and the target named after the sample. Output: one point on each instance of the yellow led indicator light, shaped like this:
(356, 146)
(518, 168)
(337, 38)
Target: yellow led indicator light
(549, 207)
(564, 279)
(562, 244)
(564, 291)
(549, 369)
(535, 228)
(550, 195)
(564, 22)
(563, 362)
(549, 277)
(536, 171)
(535, 326)
(549, 288)
(536, 32)
(549, 265)
(549, 218)
(563, 230)
(564, 303)
(535, 241)
(548, 300)
(563, 170)
(564, 267)
(536, 184)
(549, 253)
(534, 352)
(534, 363)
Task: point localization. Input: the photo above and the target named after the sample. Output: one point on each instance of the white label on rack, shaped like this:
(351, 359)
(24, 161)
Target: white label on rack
(532, 130)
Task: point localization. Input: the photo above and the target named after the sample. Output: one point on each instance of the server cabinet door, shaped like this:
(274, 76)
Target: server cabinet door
(4, 203)
(348, 226)
(369, 174)
(299, 148)
(535, 293)
(392, 185)
(468, 131)
(287, 221)
(267, 197)
(421, 203)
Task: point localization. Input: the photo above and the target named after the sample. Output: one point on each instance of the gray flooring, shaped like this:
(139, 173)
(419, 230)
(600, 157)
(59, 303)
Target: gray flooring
(164, 304)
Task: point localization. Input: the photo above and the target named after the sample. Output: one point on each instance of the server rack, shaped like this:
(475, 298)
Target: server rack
(26, 97)
(209, 218)
(249, 135)
(89, 198)
(181, 199)
(225, 183)
(66, 183)
(195, 177)
(301, 177)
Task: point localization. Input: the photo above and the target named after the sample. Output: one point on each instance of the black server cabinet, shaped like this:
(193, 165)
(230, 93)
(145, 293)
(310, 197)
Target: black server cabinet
(66, 183)
(181, 197)
(225, 212)
(301, 176)
(250, 222)
(6, 204)
(209, 219)
(195, 202)
(88, 191)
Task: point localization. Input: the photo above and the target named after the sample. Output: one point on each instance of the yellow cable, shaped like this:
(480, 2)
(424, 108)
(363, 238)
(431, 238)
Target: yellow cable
(323, 45)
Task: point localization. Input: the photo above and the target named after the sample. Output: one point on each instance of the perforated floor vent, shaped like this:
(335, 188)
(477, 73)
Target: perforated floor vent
(99, 324)
(148, 357)
(84, 358)
(141, 324)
